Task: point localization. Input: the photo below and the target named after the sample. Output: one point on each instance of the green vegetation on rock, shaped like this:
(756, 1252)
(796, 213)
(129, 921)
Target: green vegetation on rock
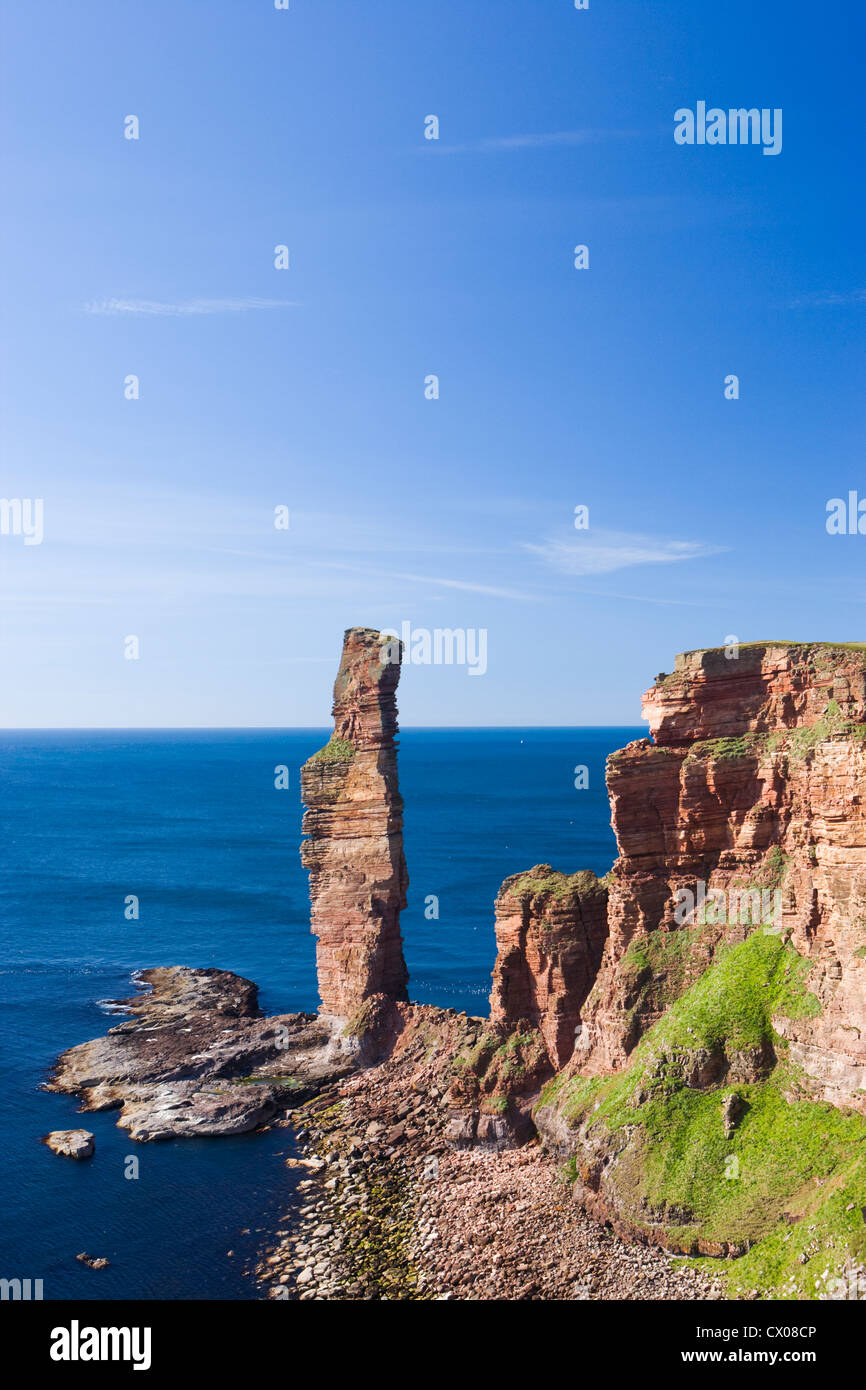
(495, 1105)
(292, 1082)
(500, 1066)
(743, 746)
(735, 1000)
(362, 1019)
(662, 964)
(797, 743)
(338, 750)
(376, 1252)
(559, 885)
(832, 724)
(820, 647)
(768, 875)
(788, 1185)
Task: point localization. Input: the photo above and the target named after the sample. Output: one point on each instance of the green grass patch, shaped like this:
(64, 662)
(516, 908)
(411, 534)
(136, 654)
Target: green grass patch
(734, 1000)
(494, 1105)
(337, 750)
(727, 749)
(790, 1182)
(657, 968)
(557, 884)
(822, 647)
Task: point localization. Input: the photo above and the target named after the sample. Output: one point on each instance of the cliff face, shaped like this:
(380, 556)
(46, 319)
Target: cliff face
(550, 934)
(354, 820)
(752, 795)
(731, 995)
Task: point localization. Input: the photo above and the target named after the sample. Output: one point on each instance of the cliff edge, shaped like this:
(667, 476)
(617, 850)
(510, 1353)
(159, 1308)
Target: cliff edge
(714, 1100)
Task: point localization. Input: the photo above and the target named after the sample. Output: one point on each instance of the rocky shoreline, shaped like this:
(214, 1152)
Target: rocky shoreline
(391, 1210)
(198, 1057)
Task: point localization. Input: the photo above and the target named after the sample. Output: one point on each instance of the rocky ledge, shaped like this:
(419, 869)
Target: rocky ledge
(197, 1057)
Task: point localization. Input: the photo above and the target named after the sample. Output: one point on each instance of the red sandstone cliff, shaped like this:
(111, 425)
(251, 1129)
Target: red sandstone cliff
(755, 779)
(751, 784)
(550, 934)
(354, 820)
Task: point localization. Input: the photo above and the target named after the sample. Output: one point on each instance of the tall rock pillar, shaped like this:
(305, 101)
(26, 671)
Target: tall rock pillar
(354, 821)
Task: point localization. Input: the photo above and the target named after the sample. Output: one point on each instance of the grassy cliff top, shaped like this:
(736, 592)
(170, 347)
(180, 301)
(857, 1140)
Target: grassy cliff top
(819, 652)
(543, 879)
(782, 642)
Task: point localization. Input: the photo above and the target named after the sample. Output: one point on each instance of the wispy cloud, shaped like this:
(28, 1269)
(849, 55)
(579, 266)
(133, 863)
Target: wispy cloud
(541, 140)
(112, 548)
(466, 585)
(647, 598)
(155, 308)
(829, 299)
(602, 552)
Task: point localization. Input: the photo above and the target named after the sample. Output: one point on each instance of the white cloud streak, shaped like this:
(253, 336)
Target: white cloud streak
(467, 586)
(153, 308)
(830, 299)
(554, 139)
(604, 552)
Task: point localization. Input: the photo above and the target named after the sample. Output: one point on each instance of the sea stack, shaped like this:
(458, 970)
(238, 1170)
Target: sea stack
(354, 853)
(550, 933)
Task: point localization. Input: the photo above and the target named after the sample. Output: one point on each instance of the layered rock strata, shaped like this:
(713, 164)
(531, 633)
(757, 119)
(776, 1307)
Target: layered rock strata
(354, 821)
(550, 934)
(750, 796)
(683, 1016)
(196, 1056)
(731, 995)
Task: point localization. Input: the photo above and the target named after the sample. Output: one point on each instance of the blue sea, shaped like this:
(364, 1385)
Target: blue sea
(190, 822)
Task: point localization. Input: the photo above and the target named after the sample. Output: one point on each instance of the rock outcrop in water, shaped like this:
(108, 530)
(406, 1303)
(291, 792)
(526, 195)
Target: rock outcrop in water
(354, 821)
(197, 1057)
(70, 1143)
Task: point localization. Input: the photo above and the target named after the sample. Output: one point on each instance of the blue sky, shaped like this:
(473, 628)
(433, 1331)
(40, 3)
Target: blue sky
(305, 387)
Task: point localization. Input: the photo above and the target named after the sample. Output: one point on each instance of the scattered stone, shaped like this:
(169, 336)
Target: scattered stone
(732, 1109)
(72, 1143)
(430, 1223)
